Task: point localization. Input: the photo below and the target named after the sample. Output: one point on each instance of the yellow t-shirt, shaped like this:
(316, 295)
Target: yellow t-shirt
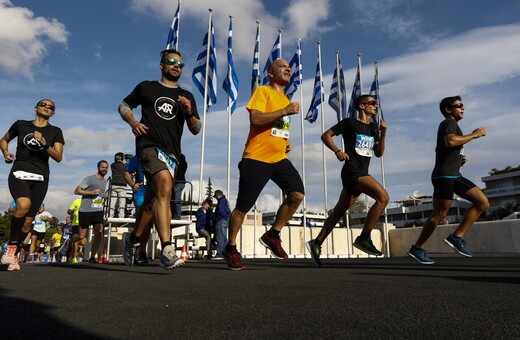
(268, 143)
(57, 239)
(75, 207)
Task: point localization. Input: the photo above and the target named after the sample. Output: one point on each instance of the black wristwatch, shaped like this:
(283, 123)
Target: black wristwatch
(46, 147)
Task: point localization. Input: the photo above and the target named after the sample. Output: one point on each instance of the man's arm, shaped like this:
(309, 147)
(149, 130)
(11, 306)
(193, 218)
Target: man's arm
(260, 119)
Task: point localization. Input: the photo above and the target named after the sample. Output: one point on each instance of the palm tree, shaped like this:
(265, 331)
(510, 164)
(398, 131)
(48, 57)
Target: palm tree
(506, 210)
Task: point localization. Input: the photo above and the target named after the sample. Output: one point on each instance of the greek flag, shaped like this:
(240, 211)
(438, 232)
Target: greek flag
(318, 97)
(356, 92)
(255, 81)
(374, 92)
(230, 84)
(296, 73)
(199, 72)
(337, 97)
(276, 53)
(172, 43)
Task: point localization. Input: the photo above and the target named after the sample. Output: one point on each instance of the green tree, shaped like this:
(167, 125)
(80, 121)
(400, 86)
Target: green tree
(5, 220)
(209, 188)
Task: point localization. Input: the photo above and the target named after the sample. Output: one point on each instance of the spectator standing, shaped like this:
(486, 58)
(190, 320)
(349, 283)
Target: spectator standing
(118, 186)
(222, 212)
(203, 225)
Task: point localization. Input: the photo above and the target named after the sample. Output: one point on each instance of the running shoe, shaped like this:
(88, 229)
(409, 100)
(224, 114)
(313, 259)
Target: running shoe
(129, 250)
(420, 255)
(74, 260)
(315, 251)
(274, 245)
(14, 266)
(169, 260)
(234, 261)
(9, 256)
(459, 244)
(141, 258)
(365, 244)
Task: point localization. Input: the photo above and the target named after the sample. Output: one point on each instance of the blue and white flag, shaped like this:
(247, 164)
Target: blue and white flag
(318, 96)
(255, 81)
(356, 92)
(374, 92)
(172, 43)
(296, 73)
(338, 97)
(199, 72)
(276, 53)
(230, 84)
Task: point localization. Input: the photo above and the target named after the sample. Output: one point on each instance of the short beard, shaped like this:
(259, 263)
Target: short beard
(171, 77)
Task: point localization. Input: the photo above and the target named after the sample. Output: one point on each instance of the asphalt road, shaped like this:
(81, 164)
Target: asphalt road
(395, 298)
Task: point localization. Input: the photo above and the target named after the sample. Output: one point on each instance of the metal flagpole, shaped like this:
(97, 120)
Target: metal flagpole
(280, 34)
(178, 25)
(201, 184)
(383, 182)
(229, 141)
(303, 152)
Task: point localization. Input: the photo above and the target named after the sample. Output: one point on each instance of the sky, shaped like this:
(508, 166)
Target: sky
(88, 55)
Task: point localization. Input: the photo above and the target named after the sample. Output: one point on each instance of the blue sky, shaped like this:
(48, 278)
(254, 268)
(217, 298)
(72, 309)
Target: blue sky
(88, 55)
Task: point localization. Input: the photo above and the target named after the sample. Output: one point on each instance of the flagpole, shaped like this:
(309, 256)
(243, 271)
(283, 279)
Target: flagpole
(323, 131)
(383, 182)
(229, 137)
(201, 184)
(178, 25)
(302, 127)
(280, 35)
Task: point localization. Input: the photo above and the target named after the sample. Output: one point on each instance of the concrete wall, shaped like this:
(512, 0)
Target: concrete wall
(493, 238)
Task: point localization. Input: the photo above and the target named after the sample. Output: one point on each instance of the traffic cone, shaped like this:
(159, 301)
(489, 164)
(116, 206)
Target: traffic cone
(184, 254)
(104, 256)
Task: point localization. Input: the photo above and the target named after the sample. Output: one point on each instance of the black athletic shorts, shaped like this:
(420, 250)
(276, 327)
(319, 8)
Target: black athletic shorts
(86, 219)
(39, 235)
(34, 190)
(254, 175)
(150, 163)
(349, 180)
(75, 230)
(444, 188)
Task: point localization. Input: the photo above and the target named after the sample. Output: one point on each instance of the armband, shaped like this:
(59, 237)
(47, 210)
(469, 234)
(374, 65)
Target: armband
(337, 151)
(46, 147)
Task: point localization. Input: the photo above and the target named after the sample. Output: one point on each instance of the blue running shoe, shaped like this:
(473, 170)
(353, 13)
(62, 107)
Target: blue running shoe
(459, 244)
(420, 255)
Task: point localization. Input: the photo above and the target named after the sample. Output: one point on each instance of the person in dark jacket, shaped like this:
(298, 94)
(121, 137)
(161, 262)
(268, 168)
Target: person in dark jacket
(204, 223)
(222, 212)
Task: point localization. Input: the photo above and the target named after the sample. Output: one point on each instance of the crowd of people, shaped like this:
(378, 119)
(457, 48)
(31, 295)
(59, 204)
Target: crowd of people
(159, 167)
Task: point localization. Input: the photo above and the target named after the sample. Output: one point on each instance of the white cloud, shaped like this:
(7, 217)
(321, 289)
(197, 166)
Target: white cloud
(26, 39)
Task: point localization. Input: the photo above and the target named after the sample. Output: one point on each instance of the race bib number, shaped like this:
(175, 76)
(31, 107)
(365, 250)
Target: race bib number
(168, 160)
(365, 145)
(281, 128)
(97, 202)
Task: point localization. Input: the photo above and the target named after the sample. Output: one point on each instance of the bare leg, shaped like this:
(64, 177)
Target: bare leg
(97, 229)
(480, 204)
(345, 201)
(162, 186)
(287, 209)
(144, 215)
(440, 210)
(369, 186)
(235, 223)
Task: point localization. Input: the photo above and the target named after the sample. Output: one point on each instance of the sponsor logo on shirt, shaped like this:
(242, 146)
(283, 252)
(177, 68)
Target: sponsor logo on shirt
(31, 143)
(166, 108)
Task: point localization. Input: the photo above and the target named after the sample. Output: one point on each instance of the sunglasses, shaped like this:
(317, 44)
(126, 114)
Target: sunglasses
(173, 61)
(458, 106)
(49, 106)
(371, 103)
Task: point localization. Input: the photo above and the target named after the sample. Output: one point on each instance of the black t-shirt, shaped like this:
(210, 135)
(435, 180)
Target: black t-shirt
(360, 140)
(30, 155)
(162, 114)
(447, 159)
(118, 173)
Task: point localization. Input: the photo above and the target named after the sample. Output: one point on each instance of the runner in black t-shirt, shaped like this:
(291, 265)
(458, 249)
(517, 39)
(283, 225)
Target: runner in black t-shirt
(447, 180)
(29, 177)
(362, 140)
(165, 107)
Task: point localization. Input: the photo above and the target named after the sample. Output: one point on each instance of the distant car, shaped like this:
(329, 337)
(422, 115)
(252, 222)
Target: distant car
(513, 216)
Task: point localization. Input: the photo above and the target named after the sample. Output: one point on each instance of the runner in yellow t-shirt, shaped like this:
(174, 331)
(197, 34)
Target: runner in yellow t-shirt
(265, 159)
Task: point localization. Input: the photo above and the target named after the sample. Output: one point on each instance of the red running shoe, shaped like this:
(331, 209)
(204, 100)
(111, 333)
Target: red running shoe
(274, 245)
(233, 260)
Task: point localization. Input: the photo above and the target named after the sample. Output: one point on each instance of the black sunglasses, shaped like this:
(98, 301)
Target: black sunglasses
(49, 106)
